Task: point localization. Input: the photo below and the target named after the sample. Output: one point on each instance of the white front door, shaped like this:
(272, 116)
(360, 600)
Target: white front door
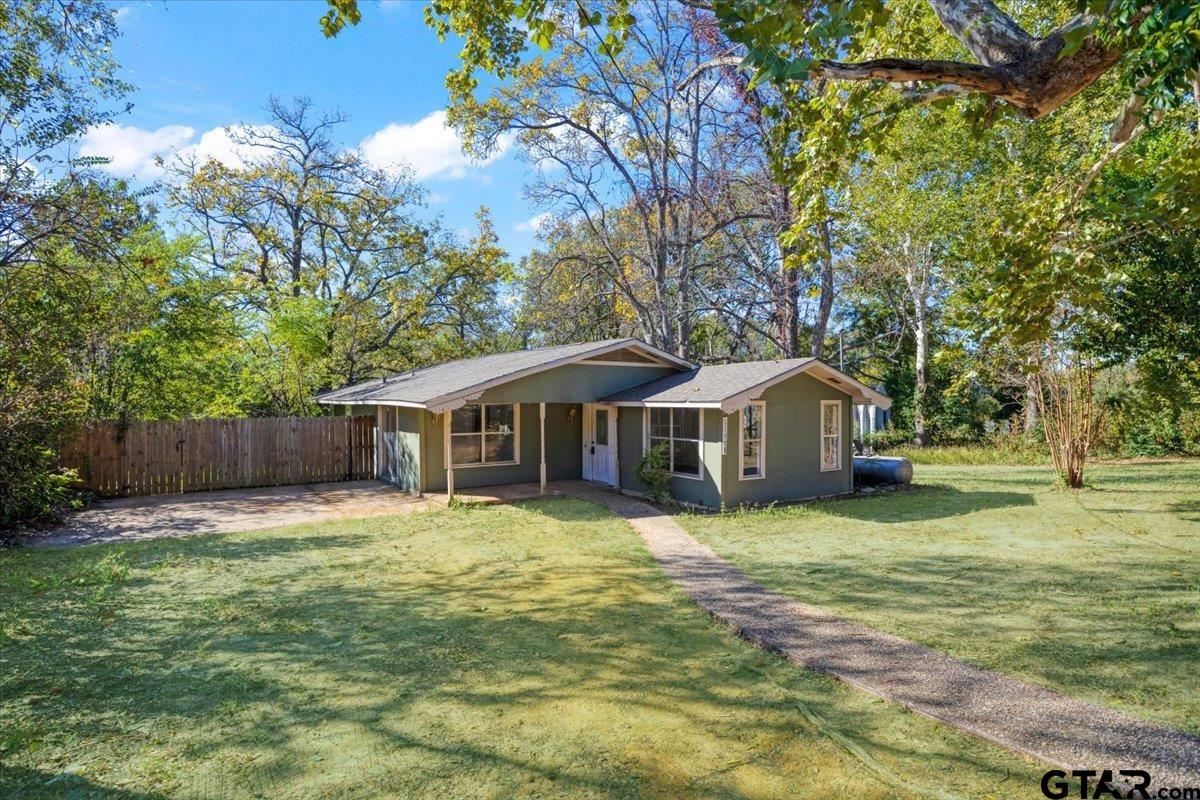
(600, 443)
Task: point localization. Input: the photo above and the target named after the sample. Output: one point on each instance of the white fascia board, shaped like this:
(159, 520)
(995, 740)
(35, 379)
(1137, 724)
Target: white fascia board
(662, 404)
(822, 372)
(861, 391)
(400, 403)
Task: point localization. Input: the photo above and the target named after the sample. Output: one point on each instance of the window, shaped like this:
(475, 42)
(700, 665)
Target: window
(753, 435)
(484, 434)
(831, 435)
(678, 429)
(601, 432)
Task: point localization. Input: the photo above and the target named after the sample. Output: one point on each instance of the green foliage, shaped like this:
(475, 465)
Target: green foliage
(1150, 415)
(334, 274)
(653, 471)
(999, 450)
(57, 78)
(32, 488)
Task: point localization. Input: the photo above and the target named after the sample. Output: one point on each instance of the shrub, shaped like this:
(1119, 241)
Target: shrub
(34, 489)
(654, 473)
(890, 438)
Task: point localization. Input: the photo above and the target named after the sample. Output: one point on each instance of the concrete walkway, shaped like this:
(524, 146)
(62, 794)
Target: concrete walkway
(161, 516)
(1052, 727)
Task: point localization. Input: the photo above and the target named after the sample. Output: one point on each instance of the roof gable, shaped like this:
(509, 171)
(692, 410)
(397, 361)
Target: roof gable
(731, 386)
(453, 384)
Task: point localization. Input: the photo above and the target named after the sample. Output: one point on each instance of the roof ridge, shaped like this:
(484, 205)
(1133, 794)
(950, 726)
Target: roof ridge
(413, 372)
(514, 352)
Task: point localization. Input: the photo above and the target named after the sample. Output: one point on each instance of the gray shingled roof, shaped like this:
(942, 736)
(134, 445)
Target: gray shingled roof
(425, 385)
(709, 384)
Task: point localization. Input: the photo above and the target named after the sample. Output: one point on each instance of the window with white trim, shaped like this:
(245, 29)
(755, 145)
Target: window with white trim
(753, 439)
(679, 430)
(831, 435)
(484, 433)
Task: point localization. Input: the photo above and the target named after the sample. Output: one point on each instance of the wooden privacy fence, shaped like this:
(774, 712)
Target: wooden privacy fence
(196, 454)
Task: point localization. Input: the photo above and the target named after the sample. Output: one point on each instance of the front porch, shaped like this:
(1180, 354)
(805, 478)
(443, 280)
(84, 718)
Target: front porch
(515, 492)
(475, 450)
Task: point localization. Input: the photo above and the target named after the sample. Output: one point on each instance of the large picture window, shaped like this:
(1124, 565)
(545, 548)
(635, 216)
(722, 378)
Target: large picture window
(484, 434)
(753, 437)
(678, 429)
(831, 435)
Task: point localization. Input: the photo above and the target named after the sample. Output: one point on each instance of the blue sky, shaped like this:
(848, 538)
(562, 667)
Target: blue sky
(200, 65)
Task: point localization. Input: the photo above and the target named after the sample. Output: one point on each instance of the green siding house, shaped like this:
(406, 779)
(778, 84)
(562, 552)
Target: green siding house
(736, 434)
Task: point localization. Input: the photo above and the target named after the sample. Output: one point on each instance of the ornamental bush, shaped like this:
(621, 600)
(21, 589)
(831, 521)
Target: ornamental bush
(654, 473)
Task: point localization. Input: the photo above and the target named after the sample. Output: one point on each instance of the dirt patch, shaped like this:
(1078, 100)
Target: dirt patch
(138, 518)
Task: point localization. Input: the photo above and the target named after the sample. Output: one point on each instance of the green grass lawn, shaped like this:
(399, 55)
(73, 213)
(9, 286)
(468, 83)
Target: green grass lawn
(1095, 593)
(529, 651)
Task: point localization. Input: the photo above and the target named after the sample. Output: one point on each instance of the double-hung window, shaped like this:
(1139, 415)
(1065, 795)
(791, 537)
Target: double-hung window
(484, 434)
(753, 438)
(678, 429)
(831, 435)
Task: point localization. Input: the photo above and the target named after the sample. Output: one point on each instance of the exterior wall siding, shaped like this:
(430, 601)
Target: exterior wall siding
(561, 389)
(400, 443)
(706, 491)
(793, 447)
(573, 383)
(564, 450)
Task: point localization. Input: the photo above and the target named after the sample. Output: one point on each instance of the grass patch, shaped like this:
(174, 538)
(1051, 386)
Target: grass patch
(530, 651)
(1015, 454)
(1093, 592)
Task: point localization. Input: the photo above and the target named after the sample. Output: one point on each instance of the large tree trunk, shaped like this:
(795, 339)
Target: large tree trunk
(1029, 73)
(921, 333)
(825, 304)
(1031, 404)
(787, 292)
(787, 310)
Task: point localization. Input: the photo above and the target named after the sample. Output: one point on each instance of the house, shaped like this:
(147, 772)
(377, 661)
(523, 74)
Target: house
(751, 432)
(870, 419)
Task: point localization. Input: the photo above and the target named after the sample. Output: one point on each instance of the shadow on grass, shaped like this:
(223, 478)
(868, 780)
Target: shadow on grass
(434, 663)
(1188, 509)
(922, 502)
(67, 784)
(1070, 624)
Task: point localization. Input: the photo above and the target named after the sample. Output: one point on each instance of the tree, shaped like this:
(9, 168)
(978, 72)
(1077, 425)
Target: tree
(329, 254)
(57, 78)
(622, 153)
(882, 43)
(911, 208)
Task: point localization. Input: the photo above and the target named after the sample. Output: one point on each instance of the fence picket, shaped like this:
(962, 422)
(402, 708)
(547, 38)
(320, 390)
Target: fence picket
(197, 454)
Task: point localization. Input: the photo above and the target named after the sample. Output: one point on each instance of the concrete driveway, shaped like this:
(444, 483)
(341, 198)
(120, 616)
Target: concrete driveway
(136, 518)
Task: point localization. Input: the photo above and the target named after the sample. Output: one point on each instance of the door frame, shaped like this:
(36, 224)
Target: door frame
(589, 424)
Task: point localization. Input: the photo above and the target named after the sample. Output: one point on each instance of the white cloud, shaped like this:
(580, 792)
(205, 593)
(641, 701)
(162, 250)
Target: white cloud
(534, 224)
(429, 146)
(131, 150)
(222, 145)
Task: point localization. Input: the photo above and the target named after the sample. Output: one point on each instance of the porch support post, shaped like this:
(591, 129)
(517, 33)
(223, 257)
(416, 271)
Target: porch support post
(542, 440)
(378, 442)
(449, 462)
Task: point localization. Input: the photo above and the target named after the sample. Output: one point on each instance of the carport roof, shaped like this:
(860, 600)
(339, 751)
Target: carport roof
(452, 384)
